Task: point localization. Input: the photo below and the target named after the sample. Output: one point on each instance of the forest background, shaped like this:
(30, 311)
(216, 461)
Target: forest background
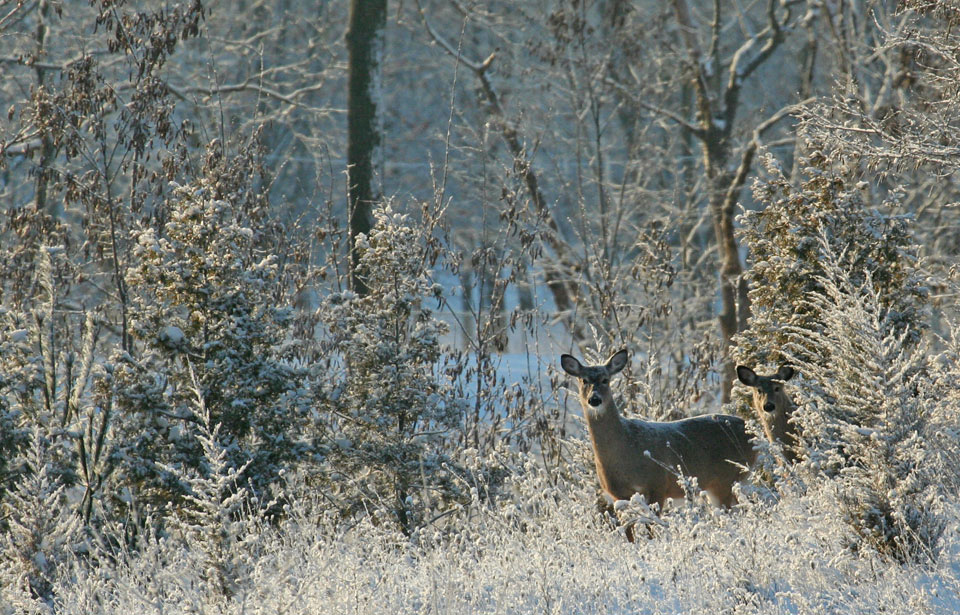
(273, 340)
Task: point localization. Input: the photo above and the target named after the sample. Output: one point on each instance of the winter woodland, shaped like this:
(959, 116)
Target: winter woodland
(284, 287)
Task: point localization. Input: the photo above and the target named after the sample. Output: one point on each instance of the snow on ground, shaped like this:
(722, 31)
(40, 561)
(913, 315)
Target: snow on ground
(545, 549)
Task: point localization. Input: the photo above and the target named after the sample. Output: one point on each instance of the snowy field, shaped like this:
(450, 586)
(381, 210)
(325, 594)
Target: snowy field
(543, 550)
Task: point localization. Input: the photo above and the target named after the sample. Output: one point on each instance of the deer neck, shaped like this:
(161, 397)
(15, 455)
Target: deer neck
(614, 448)
(605, 424)
(787, 427)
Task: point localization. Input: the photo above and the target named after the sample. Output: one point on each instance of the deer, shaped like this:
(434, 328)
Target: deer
(646, 457)
(773, 406)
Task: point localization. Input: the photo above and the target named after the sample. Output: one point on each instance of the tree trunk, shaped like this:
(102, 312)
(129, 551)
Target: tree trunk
(718, 103)
(716, 156)
(365, 45)
(42, 202)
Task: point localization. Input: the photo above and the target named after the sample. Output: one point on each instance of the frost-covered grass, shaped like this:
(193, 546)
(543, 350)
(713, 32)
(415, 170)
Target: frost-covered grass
(868, 522)
(543, 549)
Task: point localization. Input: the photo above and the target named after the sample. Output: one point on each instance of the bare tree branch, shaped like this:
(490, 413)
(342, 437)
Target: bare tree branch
(250, 85)
(19, 11)
(561, 282)
(672, 115)
(749, 151)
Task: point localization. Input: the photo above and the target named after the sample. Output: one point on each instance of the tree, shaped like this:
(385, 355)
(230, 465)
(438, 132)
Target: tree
(210, 319)
(895, 112)
(599, 128)
(108, 104)
(365, 42)
(718, 109)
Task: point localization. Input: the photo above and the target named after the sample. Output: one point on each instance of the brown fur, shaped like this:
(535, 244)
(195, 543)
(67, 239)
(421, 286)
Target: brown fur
(635, 456)
(773, 406)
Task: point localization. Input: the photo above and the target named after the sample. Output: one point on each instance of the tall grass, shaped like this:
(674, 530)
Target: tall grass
(543, 549)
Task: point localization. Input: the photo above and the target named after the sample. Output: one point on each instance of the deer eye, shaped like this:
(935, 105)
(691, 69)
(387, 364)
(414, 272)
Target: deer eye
(604, 381)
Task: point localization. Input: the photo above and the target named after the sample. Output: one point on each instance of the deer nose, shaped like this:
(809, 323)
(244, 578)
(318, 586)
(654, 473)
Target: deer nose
(769, 407)
(595, 400)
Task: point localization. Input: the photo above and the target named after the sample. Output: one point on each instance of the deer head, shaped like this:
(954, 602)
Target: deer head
(773, 406)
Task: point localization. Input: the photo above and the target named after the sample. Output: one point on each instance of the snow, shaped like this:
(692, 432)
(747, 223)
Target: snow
(172, 335)
(768, 556)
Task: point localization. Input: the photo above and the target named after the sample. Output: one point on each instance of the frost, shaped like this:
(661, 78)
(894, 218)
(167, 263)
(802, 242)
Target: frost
(548, 551)
(172, 335)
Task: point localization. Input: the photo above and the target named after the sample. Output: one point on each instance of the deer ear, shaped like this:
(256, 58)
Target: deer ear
(746, 375)
(785, 373)
(570, 365)
(617, 362)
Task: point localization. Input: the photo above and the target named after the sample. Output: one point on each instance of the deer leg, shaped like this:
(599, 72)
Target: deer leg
(724, 495)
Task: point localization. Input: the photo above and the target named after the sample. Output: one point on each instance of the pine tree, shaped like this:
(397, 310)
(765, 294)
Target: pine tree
(207, 301)
(787, 256)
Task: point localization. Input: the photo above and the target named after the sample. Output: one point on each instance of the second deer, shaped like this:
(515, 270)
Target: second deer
(773, 406)
(646, 457)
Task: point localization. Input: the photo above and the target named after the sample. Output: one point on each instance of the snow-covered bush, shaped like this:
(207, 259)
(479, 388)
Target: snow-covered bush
(42, 531)
(387, 402)
(206, 303)
(787, 258)
(869, 415)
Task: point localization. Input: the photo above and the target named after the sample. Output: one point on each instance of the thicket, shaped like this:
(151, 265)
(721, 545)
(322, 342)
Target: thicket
(838, 292)
(193, 403)
(800, 230)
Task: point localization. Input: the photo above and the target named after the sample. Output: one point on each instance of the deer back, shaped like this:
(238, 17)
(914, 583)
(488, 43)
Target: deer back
(710, 447)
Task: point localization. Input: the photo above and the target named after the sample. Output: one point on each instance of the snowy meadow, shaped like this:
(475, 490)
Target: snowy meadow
(372, 468)
(546, 549)
(282, 309)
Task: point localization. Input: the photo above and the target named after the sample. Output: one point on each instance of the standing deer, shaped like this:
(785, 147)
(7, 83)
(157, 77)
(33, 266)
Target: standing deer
(645, 457)
(773, 406)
